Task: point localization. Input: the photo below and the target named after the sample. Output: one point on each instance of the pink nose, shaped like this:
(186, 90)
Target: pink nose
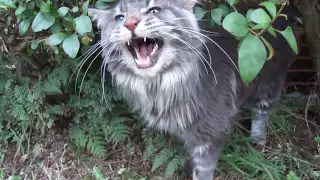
(131, 25)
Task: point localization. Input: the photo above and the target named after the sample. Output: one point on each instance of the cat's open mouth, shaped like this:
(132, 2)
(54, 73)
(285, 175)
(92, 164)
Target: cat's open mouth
(144, 50)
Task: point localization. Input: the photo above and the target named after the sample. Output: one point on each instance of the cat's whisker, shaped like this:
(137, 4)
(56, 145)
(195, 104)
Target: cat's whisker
(82, 81)
(84, 61)
(197, 53)
(104, 73)
(205, 47)
(187, 18)
(205, 60)
(199, 30)
(85, 54)
(216, 45)
(88, 54)
(104, 45)
(196, 31)
(210, 32)
(202, 41)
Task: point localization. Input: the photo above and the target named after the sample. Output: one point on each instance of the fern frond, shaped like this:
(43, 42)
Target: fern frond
(56, 110)
(78, 136)
(174, 165)
(150, 149)
(96, 146)
(163, 157)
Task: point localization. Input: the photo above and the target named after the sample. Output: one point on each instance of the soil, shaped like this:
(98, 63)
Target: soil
(51, 157)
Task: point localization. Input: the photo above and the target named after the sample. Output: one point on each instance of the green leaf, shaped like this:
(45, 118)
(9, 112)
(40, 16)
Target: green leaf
(30, 5)
(24, 26)
(248, 15)
(98, 173)
(260, 26)
(42, 21)
(19, 10)
(28, 13)
(55, 49)
(236, 24)
(199, 13)
(233, 2)
(164, 156)
(273, 1)
(63, 11)
(271, 7)
(8, 3)
(68, 18)
(260, 16)
(217, 14)
(225, 8)
(292, 176)
(55, 28)
(317, 139)
(85, 7)
(101, 5)
(252, 56)
(56, 39)
(272, 31)
(289, 36)
(71, 45)
(75, 9)
(45, 7)
(83, 24)
(34, 45)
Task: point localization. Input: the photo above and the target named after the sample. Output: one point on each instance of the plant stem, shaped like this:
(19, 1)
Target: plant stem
(273, 20)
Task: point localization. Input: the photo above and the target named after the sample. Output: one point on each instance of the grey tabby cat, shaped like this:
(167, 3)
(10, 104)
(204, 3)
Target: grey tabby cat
(182, 78)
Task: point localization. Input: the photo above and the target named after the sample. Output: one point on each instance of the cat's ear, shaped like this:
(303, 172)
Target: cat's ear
(187, 4)
(98, 15)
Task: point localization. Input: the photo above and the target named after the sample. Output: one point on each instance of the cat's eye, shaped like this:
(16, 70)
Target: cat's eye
(154, 10)
(119, 17)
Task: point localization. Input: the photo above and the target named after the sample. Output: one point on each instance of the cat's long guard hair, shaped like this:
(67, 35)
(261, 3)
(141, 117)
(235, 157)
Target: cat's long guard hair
(182, 77)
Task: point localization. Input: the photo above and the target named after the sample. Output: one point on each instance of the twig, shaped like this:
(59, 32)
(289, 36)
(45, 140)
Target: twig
(274, 19)
(4, 44)
(283, 5)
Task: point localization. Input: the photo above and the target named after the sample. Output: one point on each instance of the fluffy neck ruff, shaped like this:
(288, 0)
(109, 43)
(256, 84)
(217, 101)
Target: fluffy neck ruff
(168, 101)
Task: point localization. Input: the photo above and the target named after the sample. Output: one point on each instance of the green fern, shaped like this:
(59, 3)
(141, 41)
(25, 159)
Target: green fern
(31, 104)
(174, 164)
(164, 156)
(96, 146)
(165, 151)
(77, 135)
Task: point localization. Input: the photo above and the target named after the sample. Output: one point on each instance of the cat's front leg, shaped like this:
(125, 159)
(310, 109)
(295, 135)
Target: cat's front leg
(205, 157)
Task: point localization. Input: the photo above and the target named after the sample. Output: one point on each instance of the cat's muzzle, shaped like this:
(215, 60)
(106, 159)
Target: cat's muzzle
(145, 50)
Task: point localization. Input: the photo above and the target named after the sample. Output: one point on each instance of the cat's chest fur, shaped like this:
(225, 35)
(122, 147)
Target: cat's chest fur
(178, 98)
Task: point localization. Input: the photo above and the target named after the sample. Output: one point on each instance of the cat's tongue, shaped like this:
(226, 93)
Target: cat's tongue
(145, 51)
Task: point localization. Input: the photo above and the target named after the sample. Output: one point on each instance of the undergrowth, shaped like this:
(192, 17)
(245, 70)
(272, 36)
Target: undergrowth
(41, 88)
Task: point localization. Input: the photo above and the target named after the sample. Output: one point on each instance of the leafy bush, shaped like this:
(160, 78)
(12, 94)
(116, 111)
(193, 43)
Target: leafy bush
(42, 81)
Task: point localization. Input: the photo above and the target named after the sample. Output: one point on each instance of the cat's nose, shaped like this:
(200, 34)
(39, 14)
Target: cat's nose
(131, 25)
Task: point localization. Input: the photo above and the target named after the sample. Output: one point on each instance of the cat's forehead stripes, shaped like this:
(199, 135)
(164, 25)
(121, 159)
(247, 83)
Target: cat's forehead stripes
(138, 5)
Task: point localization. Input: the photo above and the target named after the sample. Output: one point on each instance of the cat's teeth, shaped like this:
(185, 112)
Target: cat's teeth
(148, 58)
(155, 48)
(128, 43)
(145, 39)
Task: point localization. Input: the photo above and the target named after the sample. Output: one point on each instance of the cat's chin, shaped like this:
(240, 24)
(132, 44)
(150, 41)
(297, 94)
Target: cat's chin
(145, 51)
